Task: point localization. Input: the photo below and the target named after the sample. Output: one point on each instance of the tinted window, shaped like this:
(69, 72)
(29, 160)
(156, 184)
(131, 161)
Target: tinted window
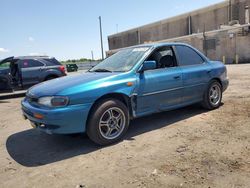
(30, 63)
(187, 56)
(52, 61)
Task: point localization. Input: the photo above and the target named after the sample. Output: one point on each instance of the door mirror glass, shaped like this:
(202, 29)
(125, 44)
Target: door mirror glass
(148, 65)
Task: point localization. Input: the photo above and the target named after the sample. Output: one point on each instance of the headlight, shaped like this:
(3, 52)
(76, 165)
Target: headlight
(55, 101)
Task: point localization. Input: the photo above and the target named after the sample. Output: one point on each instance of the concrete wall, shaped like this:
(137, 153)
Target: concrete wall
(206, 19)
(231, 45)
(228, 45)
(238, 10)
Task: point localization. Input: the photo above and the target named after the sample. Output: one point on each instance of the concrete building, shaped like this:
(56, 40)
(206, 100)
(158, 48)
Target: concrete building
(218, 26)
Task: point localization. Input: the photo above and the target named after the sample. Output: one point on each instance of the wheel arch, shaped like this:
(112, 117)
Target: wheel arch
(50, 76)
(125, 99)
(217, 79)
(206, 103)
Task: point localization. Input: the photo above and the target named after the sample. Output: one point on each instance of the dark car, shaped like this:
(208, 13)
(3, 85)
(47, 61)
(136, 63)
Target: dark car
(72, 67)
(25, 71)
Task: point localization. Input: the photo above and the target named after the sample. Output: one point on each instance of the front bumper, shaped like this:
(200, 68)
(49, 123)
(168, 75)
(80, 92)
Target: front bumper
(66, 120)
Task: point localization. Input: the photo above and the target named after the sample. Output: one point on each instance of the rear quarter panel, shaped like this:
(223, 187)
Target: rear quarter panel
(50, 71)
(219, 70)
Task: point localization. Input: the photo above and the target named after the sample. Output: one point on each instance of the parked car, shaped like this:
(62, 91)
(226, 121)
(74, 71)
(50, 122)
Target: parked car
(72, 67)
(22, 72)
(134, 82)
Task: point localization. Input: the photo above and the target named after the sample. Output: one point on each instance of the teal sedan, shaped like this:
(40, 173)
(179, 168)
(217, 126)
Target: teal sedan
(134, 82)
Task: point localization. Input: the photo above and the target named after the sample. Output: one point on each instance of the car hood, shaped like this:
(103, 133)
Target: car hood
(58, 85)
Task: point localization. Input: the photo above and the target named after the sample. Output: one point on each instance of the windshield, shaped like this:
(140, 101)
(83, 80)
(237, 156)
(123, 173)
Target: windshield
(122, 61)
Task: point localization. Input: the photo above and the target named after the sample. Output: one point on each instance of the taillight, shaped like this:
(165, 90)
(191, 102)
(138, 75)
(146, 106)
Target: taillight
(62, 69)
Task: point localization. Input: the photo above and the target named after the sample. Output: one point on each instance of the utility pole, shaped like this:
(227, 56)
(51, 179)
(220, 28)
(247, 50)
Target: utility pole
(230, 11)
(204, 39)
(92, 54)
(100, 22)
(116, 28)
(247, 18)
(139, 36)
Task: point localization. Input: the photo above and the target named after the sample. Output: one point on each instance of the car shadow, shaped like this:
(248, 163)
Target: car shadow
(32, 148)
(4, 102)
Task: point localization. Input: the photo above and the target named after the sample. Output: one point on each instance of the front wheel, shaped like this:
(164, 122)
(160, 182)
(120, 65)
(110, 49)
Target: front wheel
(108, 122)
(213, 96)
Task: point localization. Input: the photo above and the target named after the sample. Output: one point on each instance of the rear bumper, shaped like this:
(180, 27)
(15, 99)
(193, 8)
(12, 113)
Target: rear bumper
(67, 120)
(225, 84)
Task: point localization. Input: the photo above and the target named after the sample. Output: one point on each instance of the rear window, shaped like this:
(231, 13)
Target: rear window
(187, 56)
(51, 61)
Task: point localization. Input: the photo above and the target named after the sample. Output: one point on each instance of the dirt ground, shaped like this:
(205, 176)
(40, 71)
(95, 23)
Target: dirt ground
(189, 147)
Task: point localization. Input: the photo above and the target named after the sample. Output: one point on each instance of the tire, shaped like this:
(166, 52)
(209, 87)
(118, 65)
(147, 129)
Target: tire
(213, 96)
(108, 122)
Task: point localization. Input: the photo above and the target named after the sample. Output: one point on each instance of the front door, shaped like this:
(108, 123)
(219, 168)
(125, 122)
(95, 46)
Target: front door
(161, 88)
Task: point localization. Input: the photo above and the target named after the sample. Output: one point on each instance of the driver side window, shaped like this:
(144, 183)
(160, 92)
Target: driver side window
(164, 57)
(5, 65)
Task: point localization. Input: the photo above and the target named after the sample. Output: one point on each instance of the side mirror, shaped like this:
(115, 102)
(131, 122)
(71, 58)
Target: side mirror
(148, 65)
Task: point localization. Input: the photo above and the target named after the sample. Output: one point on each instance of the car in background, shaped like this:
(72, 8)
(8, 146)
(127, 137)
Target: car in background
(25, 71)
(72, 67)
(132, 83)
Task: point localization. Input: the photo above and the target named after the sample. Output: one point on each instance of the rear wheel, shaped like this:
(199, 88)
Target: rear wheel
(108, 122)
(213, 96)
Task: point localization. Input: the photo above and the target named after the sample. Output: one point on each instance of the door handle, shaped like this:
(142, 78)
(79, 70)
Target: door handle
(209, 71)
(177, 77)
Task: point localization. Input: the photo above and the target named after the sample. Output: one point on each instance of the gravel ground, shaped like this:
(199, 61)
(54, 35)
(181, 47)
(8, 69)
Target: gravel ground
(189, 147)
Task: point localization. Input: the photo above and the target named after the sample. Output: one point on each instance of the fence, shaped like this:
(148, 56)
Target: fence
(86, 65)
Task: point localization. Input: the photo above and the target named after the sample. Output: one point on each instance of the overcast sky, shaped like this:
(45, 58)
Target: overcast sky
(69, 29)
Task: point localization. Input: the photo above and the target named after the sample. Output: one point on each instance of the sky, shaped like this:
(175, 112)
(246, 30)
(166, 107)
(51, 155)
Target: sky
(69, 29)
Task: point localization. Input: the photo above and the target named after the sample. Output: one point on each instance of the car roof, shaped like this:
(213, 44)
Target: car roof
(153, 45)
(16, 59)
(160, 44)
(33, 57)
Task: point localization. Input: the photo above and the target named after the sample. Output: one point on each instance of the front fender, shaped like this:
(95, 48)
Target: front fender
(90, 92)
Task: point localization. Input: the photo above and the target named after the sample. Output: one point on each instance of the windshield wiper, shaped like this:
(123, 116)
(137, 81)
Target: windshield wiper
(101, 70)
